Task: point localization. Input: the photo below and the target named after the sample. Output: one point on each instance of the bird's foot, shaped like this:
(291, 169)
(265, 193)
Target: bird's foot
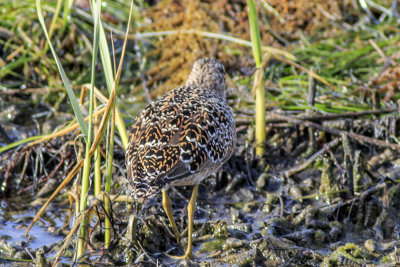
(187, 256)
(191, 256)
(188, 253)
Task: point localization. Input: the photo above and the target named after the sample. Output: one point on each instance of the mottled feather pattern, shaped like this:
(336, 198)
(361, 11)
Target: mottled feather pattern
(180, 139)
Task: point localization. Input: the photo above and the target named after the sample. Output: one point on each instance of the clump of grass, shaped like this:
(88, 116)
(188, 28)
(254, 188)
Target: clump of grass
(174, 53)
(353, 63)
(87, 130)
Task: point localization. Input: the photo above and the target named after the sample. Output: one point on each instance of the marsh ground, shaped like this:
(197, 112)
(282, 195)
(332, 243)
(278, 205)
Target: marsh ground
(325, 192)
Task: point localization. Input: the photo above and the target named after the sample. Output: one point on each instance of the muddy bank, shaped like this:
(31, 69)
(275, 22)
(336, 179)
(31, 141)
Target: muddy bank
(332, 201)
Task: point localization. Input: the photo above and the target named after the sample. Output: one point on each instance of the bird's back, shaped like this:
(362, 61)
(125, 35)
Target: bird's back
(179, 139)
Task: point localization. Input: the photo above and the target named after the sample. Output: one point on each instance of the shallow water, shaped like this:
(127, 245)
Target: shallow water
(16, 215)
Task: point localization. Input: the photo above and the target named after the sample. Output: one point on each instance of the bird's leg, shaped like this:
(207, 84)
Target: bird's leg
(191, 208)
(166, 201)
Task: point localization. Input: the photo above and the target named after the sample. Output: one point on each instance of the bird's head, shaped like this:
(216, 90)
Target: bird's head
(208, 73)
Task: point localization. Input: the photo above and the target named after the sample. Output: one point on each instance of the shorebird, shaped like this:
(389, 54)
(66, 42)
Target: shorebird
(181, 139)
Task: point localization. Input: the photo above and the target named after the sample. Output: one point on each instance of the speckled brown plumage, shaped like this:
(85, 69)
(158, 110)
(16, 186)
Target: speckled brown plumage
(183, 137)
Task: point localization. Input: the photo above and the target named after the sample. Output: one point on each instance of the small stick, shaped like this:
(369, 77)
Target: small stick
(377, 48)
(357, 137)
(360, 198)
(332, 116)
(27, 155)
(348, 164)
(371, 191)
(13, 162)
(71, 175)
(312, 87)
(71, 232)
(309, 161)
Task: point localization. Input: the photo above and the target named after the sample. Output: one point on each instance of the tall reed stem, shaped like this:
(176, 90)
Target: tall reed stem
(258, 78)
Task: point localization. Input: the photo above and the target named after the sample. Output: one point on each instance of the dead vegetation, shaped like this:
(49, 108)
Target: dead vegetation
(281, 23)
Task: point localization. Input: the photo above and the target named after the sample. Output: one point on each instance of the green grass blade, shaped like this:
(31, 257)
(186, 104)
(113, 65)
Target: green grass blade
(254, 33)
(68, 87)
(55, 17)
(13, 65)
(109, 74)
(87, 163)
(109, 172)
(219, 36)
(67, 10)
(106, 60)
(15, 144)
(93, 78)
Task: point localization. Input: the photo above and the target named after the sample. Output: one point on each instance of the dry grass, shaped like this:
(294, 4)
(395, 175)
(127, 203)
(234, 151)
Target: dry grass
(176, 53)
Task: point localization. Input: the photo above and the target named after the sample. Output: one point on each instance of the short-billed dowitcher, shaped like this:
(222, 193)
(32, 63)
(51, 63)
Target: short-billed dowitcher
(181, 139)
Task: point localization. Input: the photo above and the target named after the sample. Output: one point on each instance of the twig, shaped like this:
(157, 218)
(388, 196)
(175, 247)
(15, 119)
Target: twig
(27, 155)
(371, 190)
(335, 116)
(348, 164)
(357, 137)
(360, 198)
(54, 172)
(309, 161)
(332, 116)
(377, 48)
(371, 16)
(71, 175)
(312, 88)
(274, 51)
(336, 20)
(71, 232)
(13, 162)
(300, 67)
